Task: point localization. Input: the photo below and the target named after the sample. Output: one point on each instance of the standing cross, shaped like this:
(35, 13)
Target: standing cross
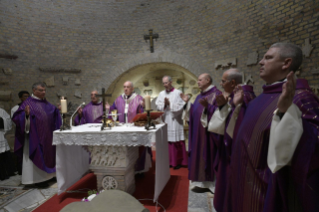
(150, 37)
(103, 95)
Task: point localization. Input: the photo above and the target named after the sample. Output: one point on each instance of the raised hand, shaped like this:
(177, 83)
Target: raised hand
(80, 111)
(204, 102)
(142, 103)
(184, 97)
(287, 94)
(107, 106)
(221, 100)
(238, 95)
(27, 110)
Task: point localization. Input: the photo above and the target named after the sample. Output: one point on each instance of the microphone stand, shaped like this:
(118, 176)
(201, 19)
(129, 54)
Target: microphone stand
(83, 103)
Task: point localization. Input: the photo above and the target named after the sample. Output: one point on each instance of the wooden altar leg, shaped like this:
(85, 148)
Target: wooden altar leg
(114, 167)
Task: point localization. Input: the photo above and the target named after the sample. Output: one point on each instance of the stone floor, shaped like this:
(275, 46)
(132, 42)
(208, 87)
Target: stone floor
(27, 199)
(200, 202)
(16, 197)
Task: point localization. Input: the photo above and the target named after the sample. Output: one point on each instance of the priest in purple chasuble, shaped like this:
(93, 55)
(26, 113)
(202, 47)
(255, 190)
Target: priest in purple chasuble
(170, 102)
(202, 147)
(218, 124)
(92, 112)
(275, 156)
(35, 121)
(128, 105)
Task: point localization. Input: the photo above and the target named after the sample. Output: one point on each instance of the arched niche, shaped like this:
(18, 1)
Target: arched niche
(147, 80)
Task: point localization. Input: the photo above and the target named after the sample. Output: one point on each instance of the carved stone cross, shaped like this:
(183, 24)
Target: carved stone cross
(150, 37)
(307, 48)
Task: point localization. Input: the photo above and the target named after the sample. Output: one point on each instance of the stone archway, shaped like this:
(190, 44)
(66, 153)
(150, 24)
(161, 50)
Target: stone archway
(147, 80)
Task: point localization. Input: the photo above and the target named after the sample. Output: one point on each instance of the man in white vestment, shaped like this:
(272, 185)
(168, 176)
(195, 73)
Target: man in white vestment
(172, 104)
(35, 120)
(7, 168)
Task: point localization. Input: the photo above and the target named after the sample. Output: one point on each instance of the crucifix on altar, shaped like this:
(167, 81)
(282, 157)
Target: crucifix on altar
(103, 95)
(150, 37)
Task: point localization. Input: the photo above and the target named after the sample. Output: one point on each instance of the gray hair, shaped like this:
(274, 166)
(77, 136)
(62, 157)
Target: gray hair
(35, 85)
(289, 50)
(168, 77)
(209, 78)
(131, 83)
(237, 76)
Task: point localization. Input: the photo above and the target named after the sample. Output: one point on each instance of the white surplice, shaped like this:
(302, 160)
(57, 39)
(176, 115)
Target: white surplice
(7, 126)
(172, 114)
(30, 172)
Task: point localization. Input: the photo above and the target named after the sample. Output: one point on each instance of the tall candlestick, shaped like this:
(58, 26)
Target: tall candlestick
(147, 102)
(64, 107)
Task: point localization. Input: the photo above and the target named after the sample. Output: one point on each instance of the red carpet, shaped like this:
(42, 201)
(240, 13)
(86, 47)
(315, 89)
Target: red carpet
(174, 197)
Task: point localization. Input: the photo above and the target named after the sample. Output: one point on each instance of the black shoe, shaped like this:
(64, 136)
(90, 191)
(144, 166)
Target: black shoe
(140, 175)
(201, 190)
(42, 185)
(177, 167)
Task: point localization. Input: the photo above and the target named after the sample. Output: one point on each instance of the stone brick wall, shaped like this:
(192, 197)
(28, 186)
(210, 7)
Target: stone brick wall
(105, 38)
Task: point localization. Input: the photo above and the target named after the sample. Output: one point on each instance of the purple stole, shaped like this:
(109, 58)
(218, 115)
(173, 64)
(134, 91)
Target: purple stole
(201, 143)
(134, 108)
(44, 119)
(253, 187)
(224, 152)
(92, 113)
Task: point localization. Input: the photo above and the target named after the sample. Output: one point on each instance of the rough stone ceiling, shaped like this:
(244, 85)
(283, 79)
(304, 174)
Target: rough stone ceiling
(87, 15)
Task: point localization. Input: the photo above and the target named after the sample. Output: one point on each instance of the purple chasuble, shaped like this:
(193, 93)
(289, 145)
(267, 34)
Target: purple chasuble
(224, 151)
(253, 186)
(44, 119)
(201, 142)
(91, 113)
(134, 107)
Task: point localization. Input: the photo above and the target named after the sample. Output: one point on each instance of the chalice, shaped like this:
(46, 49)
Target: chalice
(114, 116)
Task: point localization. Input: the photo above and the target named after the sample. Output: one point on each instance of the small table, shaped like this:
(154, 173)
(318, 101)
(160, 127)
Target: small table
(113, 153)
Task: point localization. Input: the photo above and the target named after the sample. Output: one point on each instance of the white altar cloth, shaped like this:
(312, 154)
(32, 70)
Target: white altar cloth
(72, 160)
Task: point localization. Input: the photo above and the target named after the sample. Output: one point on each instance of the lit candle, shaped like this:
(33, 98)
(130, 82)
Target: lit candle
(64, 108)
(147, 103)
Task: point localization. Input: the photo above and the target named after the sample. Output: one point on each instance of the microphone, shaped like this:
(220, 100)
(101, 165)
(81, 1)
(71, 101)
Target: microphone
(83, 103)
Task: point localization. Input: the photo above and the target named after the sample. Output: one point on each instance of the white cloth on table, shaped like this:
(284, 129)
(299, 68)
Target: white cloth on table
(7, 126)
(72, 156)
(172, 114)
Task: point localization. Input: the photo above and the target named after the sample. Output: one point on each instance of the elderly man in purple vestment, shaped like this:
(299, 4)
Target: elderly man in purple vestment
(128, 105)
(171, 103)
(275, 158)
(201, 143)
(35, 121)
(92, 112)
(219, 123)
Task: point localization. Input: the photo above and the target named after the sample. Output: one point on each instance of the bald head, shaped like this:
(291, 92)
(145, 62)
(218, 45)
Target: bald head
(128, 88)
(204, 81)
(230, 79)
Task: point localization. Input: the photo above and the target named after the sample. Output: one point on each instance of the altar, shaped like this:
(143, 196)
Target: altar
(112, 153)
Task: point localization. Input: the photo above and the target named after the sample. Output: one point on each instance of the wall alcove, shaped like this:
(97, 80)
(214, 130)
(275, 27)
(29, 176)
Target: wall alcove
(147, 80)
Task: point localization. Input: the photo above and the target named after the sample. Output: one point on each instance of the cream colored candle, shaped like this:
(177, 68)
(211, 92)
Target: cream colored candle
(64, 107)
(147, 102)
